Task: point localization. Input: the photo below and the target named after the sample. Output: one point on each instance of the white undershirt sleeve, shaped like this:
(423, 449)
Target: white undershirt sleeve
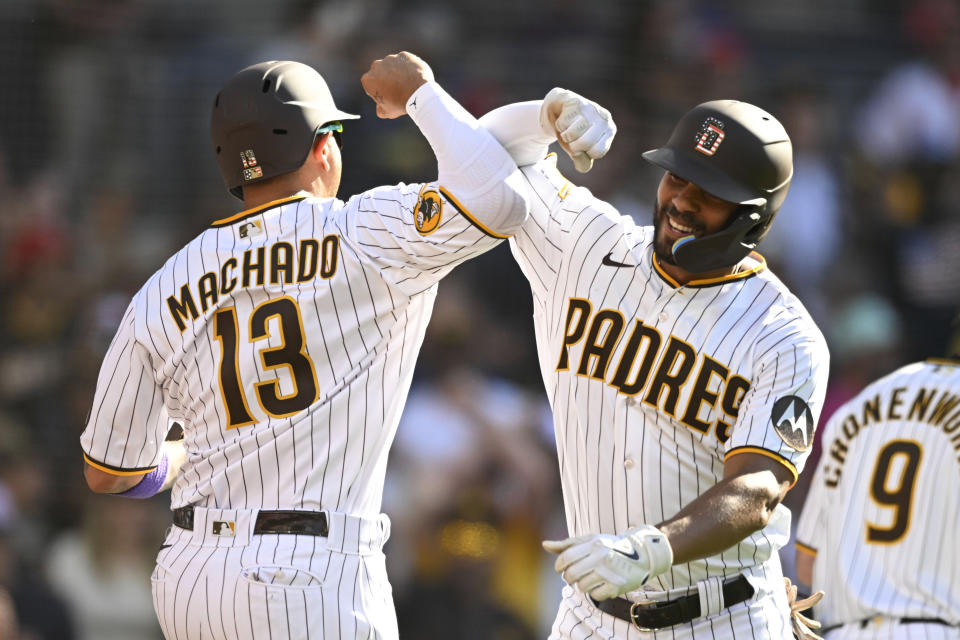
(517, 127)
(470, 163)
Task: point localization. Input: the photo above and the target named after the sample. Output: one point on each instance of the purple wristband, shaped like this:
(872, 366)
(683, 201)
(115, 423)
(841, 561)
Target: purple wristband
(150, 484)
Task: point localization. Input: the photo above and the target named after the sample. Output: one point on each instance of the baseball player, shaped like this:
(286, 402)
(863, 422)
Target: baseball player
(283, 339)
(877, 529)
(685, 380)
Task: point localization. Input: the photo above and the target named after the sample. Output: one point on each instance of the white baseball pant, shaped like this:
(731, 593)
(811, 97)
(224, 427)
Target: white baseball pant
(277, 586)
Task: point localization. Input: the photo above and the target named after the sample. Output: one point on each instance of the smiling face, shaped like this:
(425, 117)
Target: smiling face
(684, 209)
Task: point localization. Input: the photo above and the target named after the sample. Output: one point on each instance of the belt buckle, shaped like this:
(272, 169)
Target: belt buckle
(633, 619)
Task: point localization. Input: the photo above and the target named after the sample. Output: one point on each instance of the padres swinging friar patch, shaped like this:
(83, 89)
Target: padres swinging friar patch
(428, 212)
(793, 422)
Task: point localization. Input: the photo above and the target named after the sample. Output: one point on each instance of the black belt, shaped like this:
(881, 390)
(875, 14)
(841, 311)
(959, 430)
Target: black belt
(863, 623)
(307, 523)
(658, 615)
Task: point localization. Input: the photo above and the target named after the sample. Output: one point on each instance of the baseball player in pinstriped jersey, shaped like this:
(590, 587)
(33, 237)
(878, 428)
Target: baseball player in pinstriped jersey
(685, 381)
(283, 339)
(878, 527)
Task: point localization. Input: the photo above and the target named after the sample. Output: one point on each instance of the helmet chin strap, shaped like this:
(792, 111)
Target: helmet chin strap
(724, 248)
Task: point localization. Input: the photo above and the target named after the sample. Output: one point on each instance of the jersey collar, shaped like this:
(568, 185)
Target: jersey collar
(711, 282)
(237, 217)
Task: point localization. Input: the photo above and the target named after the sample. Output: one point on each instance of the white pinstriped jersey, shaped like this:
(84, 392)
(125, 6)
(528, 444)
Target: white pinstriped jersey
(284, 339)
(883, 509)
(653, 385)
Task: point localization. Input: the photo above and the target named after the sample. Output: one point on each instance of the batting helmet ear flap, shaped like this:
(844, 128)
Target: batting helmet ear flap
(748, 225)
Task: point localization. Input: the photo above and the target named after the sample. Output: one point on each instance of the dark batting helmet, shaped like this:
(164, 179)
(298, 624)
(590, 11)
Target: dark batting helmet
(736, 152)
(265, 120)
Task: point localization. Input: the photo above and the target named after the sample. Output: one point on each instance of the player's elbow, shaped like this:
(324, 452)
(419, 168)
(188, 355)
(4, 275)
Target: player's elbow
(502, 206)
(514, 199)
(765, 501)
(761, 495)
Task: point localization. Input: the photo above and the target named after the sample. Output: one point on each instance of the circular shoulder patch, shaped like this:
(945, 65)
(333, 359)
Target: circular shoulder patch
(793, 422)
(428, 212)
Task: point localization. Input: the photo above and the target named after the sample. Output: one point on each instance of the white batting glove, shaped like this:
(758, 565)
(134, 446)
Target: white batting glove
(584, 128)
(605, 566)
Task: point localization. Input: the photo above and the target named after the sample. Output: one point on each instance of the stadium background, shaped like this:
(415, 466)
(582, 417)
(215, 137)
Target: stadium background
(105, 170)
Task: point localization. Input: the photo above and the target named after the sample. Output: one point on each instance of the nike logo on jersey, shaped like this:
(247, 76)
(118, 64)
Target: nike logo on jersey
(793, 422)
(610, 262)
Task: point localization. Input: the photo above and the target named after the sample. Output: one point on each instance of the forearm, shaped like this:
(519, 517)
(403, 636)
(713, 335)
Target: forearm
(723, 516)
(517, 127)
(172, 459)
(471, 164)
(103, 482)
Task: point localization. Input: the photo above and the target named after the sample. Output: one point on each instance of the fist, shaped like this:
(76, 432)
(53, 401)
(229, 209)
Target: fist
(392, 80)
(584, 129)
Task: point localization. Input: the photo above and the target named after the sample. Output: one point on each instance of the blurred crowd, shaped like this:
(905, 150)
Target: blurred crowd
(105, 170)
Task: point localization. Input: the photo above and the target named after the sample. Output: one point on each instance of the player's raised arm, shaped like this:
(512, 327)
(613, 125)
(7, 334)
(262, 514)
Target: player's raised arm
(584, 129)
(472, 167)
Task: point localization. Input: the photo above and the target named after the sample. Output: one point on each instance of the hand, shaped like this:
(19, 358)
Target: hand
(605, 566)
(584, 129)
(802, 625)
(176, 457)
(392, 80)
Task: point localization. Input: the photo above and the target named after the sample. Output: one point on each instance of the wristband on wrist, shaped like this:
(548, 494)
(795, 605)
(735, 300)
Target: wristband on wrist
(150, 484)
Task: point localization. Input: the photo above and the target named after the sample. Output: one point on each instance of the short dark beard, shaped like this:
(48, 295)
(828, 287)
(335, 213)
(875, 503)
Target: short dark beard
(661, 246)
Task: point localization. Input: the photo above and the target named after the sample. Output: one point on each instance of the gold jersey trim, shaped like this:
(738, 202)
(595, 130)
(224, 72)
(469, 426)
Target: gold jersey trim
(805, 549)
(237, 217)
(116, 471)
(563, 186)
(470, 217)
(953, 362)
(710, 282)
(770, 454)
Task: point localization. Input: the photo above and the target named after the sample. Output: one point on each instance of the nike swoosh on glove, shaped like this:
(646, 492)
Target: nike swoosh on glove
(606, 566)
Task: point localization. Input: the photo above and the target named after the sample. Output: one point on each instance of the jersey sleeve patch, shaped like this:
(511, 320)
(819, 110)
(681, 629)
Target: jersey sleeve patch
(770, 454)
(428, 212)
(793, 422)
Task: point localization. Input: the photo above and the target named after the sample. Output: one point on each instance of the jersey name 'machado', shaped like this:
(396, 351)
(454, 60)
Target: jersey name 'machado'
(277, 264)
(655, 367)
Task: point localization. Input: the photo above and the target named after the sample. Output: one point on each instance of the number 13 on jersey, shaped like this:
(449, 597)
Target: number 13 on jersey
(290, 356)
